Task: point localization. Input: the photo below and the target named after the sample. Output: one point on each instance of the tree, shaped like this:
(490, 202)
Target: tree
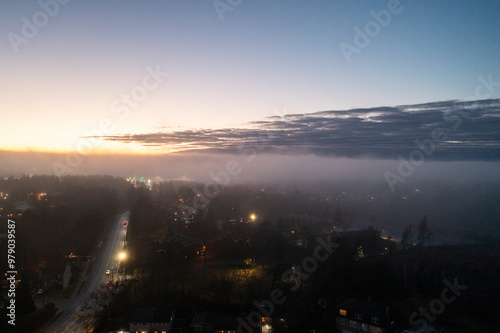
(372, 241)
(24, 301)
(424, 234)
(407, 238)
(208, 228)
(337, 217)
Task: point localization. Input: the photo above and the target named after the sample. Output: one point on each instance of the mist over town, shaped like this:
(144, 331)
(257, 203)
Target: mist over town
(250, 166)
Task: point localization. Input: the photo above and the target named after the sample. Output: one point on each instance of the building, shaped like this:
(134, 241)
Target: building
(56, 276)
(214, 323)
(363, 316)
(430, 328)
(150, 320)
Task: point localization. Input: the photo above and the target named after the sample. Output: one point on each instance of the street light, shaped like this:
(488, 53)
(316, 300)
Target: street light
(121, 256)
(252, 217)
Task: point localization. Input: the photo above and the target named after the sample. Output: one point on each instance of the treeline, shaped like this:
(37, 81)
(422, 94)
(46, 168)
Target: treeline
(54, 216)
(65, 214)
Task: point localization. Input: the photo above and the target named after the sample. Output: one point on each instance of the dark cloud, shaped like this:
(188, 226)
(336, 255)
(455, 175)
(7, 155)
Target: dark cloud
(471, 129)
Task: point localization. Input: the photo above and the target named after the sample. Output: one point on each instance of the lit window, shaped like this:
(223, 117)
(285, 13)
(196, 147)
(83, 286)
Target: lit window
(343, 312)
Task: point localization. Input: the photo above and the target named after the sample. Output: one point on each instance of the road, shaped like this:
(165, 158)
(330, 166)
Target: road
(106, 259)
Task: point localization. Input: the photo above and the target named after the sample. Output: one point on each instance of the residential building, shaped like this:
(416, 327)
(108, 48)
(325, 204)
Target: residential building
(151, 321)
(214, 323)
(363, 316)
(56, 276)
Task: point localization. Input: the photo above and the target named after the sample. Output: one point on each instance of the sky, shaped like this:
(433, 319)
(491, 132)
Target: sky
(353, 79)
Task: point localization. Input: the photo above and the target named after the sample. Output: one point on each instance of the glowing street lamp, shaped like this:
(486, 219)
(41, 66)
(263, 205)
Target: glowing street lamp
(252, 217)
(121, 256)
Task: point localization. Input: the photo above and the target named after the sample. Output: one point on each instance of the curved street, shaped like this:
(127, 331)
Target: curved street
(107, 259)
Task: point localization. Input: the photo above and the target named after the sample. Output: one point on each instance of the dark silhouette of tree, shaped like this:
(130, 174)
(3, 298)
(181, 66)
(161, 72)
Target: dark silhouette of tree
(407, 237)
(24, 301)
(141, 215)
(337, 217)
(280, 225)
(205, 229)
(424, 234)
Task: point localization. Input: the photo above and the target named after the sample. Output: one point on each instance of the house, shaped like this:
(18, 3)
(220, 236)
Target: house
(56, 276)
(151, 320)
(430, 328)
(214, 322)
(363, 316)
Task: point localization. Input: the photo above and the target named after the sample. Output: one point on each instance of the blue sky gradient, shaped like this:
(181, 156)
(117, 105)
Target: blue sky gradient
(265, 58)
